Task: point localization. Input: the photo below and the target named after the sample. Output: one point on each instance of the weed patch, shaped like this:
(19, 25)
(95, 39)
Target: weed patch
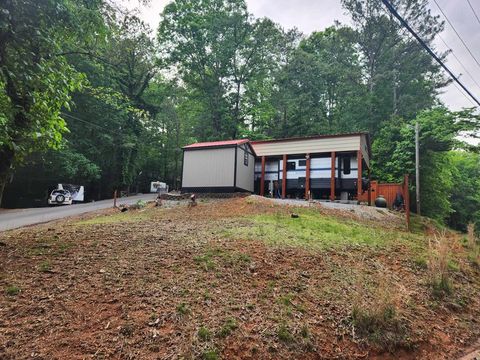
(284, 334)
(210, 355)
(183, 309)
(45, 266)
(12, 290)
(227, 328)
(438, 265)
(375, 318)
(204, 334)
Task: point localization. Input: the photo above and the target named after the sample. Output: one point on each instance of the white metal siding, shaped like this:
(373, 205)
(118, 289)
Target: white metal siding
(245, 174)
(305, 146)
(208, 167)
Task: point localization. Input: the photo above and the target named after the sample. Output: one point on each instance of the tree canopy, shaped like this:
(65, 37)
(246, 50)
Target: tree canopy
(89, 93)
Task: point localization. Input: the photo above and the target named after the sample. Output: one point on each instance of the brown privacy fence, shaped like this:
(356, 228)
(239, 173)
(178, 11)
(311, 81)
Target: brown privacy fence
(389, 192)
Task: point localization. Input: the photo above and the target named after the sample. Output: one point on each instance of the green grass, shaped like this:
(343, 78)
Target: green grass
(215, 256)
(314, 230)
(127, 216)
(12, 290)
(228, 327)
(204, 334)
(45, 266)
(210, 355)
(284, 334)
(183, 309)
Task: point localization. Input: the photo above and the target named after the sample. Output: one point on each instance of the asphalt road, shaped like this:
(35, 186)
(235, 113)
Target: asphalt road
(15, 218)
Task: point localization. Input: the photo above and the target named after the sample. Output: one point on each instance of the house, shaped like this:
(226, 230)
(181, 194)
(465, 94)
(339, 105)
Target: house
(322, 167)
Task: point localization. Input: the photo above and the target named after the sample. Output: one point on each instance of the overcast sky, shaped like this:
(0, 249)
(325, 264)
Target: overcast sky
(311, 15)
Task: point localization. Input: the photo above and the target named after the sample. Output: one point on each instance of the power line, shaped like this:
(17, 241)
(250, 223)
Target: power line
(474, 12)
(86, 122)
(427, 48)
(458, 60)
(456, 32)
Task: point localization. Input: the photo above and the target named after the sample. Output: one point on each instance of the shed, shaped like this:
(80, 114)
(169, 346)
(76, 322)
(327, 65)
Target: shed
(218, 167)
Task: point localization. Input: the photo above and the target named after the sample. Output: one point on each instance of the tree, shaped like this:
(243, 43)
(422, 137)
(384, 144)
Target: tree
(217, 49)
(35, 78)
(465, 197)
(394, 154)
(401, 77)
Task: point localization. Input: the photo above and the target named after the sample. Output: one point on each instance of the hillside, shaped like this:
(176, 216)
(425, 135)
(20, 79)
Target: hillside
(237, 278)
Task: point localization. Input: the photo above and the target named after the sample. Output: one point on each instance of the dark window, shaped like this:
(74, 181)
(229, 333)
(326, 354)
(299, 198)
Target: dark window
(302, 163)
(245, 158)
(346, 165)
(290, 165)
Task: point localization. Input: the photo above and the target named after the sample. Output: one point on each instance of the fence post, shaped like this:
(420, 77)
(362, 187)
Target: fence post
(406, 197)
(115, 199)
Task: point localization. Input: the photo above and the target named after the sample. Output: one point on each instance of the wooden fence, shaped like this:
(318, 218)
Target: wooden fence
(389, 192)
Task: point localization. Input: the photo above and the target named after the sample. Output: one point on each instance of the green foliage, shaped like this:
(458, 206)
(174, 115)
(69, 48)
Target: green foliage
(35, 77)
(394, 155)
(465, 196)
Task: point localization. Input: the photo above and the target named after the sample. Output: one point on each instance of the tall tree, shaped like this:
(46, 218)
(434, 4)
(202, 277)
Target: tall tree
(217, 49)
(36, 80)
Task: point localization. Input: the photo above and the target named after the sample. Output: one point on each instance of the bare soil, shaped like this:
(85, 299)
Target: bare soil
(142, 286)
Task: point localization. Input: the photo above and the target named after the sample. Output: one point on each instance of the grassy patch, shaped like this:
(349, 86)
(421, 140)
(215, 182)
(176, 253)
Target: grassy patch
(375, 316)
(227, 328)
(210, 355)
(213, 257)
(314, 230)
(183, 309)
(285, 334)
(439, 264)
(127, 216)
(204, 334)
(12, 290)
(45, 266)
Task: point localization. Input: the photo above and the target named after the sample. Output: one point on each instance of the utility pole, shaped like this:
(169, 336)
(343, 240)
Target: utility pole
(417, 165)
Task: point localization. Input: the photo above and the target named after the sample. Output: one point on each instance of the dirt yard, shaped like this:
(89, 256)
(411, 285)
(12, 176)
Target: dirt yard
(234, 279)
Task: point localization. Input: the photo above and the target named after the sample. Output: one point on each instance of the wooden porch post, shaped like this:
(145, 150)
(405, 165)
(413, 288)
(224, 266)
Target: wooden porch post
(284, 177)
(359, 180)
(262, 178)
(369, 187)
(332, 177)
(307, 178)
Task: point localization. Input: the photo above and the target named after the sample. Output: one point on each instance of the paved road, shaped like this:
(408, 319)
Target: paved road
(11, 219)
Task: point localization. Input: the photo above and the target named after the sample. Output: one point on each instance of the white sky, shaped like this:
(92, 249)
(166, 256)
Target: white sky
(311, 15)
